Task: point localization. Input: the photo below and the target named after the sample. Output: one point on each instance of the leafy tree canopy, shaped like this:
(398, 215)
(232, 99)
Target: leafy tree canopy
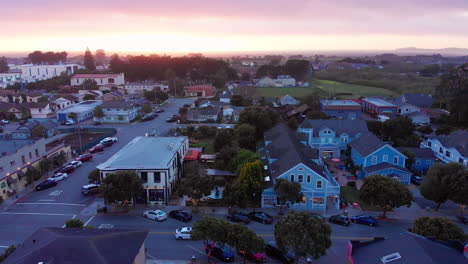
(438, 227)
(74, 223)
(121, 186)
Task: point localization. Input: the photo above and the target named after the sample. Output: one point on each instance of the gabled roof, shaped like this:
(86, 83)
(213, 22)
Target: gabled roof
(69, 97)
(419, 153)
(419, 100)
(288, 151)
(458, 139)
(209, 89)
(75, 245)
(383, 166)
(350, 127)
(367, 143)
(412, 248)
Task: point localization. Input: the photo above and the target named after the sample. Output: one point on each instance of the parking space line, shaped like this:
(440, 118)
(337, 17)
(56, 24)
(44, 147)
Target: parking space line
(50, 214)
(68, 204)
(196, 249)
(89, 220)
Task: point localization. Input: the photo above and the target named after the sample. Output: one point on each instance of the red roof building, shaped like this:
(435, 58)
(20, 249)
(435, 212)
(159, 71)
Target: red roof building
(192, 155)
(200, 91)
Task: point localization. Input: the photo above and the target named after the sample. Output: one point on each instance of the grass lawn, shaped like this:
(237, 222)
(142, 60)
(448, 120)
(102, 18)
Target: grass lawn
(351, 195)
(206, 144)
(324, 88)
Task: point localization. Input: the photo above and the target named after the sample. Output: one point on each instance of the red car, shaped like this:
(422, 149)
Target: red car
(97, 148)
(84, 157)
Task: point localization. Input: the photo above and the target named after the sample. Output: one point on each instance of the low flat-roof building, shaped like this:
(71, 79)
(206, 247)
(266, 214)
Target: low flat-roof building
(377, 106)
(84, 110)
(157, 160)
(343, 109)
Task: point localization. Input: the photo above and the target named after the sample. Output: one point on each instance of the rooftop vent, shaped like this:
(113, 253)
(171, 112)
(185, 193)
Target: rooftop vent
(267, 178)
(391, 257)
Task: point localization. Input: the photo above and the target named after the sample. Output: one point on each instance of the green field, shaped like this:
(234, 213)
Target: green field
(326, 88)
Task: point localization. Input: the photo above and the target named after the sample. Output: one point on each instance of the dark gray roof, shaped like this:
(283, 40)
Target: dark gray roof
(457, 139)
(411, 247)
(420, 153)
(382, 166)
(49, 124)
(419, 100)
(350, 127)
(12, 145)
(367, 143)
(117, 104)
(54, 245)
(289, 151)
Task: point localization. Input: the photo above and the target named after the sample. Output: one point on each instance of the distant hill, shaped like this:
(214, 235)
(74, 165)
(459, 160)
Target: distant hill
(445, 51)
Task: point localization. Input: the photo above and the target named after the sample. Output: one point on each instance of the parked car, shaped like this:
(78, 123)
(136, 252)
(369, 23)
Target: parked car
(45, 185)
(340, 219)
(97, 148)
(156, 215)
(58, 177)
(463, 219)
(90, 189)
(273, 250)
(75, 163)
(67, 169)
(238, 217)
(416, 180)
(70, 122)
(108, 141)
(159, 110)
(149, 117)
(171, 119)
(180, 215)
(84, 157)
(365, 220)
(183, 233)
(4, 122)
(221, 253)
(258, 257)
(261, 217)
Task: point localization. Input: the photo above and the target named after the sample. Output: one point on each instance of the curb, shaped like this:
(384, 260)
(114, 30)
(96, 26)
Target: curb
(388, 219)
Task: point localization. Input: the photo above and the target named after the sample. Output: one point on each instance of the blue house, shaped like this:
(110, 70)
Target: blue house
(330, 137)
(287, 158)
(424, 158)
(343, 109)
(46, 128)
(377, 157)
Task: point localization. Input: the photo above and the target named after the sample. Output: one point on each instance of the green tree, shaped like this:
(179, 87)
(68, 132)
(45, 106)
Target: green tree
(3, 65)
(304, 234)
(196, 187)
(234, 195)
(98, 113)
(385, 192)
(240, 158)
(44, 166)
(427, 129)
(411, 157)
(59, 159)
(313, 101)
(400, 130)
(444, 129)
(459, 187)
(7, 252)
(74, 223)
(146, 108)
(89, 60)
(245, 135)
(293, 123)
(438, 183)
(43, 99)
(32, 174)
(259, 117)
(245, 240)
(237, 100)
(161, 96)
(73, 115)
(224, 137)
(251, 179)
(220, 78)
(438, 227)
(89, 84)
(453, 92)
(121, 186)
(288, 192)
(224, 157)
(150, 95)
(94, 176)
(89, 97)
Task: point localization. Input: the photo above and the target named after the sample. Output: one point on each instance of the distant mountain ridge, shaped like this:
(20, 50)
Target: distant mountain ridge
(444, 51)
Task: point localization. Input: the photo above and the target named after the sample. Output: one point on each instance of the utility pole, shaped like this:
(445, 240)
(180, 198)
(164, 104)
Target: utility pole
(79, 136)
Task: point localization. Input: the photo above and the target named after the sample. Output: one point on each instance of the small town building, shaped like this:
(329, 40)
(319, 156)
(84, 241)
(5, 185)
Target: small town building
(202, 115)
(377, 106)
(343, 109)
(409, 103)
(34, 128)
(113, 79)
(138, 88)
(288, 100)
(200, 91)
(419, 118)
(424, 158)
(157, 160)
(226, 97)
(83, 110)
(118, 112)
(113, 96)
(232, 113)
(449, 148)
(285, 81)
(9, 78)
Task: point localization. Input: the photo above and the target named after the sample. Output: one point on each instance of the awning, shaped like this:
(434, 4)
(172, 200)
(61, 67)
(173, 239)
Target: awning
(192, 155)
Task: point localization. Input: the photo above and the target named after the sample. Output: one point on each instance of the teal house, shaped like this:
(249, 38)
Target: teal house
(377, 157)
(285, 157)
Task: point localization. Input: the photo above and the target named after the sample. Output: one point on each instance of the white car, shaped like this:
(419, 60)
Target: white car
(4, 122)
(108, 141)
(70, 122)
(58, 177)
(76, 163)
(156, 215)
(183, 233)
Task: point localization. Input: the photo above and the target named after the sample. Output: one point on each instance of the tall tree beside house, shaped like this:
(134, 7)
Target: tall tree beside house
(245, 240)
(288, 192)
(146, 108)
(89, 60)
(121, 186)
(59, 159)
(98, 113)
(73, 115)
(3, 65)
(438, 227)
(89, 97)
(313, 101)
(460, 189)
(261, 118)
(400, 130)
(234, 195)
(150, 95)
(439, 183)
(251, 179)
(160, 96)
(89, 84)
(245, 135)
(225, 137)
(303, 234)
(237, 100)
(411, 158)
(94, 176)
(196, 187)
(116, 64)
(44, 166)
(385, 192)
(39, 131)
(32, 174)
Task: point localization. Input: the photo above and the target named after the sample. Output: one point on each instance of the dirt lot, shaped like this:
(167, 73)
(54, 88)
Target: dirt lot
(74, 141)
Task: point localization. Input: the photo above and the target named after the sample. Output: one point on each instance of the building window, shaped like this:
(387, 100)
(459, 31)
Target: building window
(374, 159)
(30, 155)
(12, 163)
(292, 178)
(395, 160)
(144, 176)
(385, 158)
(308, 178)
(447, 154)
(418, 162)
(319, 184)
(344, 139)
(157, 177)
(441, 150)
(37, 152)
(300, 178)
(428, 162)
(429, 143)
(23, 159)
(300, 169)
(460, 160)
(318, 201)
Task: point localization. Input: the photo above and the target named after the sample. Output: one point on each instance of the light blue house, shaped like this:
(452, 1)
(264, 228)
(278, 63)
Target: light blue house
(424, 158)
(118, 112)
(377, 157)
(449, 148)
(287, 158)
(331, 137)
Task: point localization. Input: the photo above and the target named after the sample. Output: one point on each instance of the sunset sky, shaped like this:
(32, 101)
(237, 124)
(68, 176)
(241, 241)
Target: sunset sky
(231, 25)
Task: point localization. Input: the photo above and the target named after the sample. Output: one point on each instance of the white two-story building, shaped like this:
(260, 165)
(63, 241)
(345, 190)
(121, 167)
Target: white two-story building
(449, 148)
(157, 160)
(100, 79)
